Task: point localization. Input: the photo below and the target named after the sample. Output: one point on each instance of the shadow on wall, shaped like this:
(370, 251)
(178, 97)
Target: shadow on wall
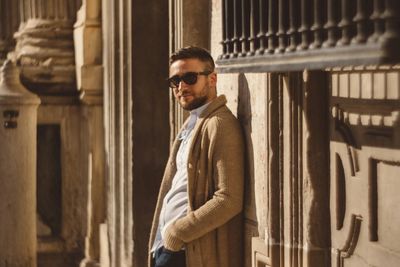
(244, 114)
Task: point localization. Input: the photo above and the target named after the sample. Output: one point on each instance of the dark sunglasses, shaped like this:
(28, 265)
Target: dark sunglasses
(189, 78)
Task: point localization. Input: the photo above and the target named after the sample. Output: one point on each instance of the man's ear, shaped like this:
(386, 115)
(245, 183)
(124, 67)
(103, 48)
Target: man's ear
(213, 79)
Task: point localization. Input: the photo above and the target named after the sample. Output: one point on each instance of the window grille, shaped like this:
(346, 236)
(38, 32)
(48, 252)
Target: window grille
(288, 35)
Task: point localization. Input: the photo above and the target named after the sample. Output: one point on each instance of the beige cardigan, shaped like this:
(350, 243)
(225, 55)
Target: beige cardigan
(211, 232)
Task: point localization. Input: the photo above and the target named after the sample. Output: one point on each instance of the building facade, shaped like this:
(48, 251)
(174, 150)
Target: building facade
(314, 83)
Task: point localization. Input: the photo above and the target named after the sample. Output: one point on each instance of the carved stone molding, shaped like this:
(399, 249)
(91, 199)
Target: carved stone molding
(274, 142)
(347, 135)
(364, 149)
(351, 242)
(88, 55)
(379, 82)
(45, 49)
(373, 195)
(365, 122)
(385, 117)
(340, 192)
(260, 253)
(298, 173)
(89, 73)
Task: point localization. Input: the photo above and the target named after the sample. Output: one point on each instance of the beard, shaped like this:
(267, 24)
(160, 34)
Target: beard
(196, 103)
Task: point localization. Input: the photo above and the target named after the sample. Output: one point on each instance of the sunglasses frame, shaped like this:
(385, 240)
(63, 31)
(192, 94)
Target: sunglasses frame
(176, 79)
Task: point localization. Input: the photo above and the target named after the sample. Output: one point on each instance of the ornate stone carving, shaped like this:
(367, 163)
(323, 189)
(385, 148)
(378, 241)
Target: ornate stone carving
(365, 112)
(348, 138)
(45, 49)
(352, 239)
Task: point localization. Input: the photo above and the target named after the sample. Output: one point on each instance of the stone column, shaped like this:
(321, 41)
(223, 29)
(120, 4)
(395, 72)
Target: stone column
(133, 59)
(89, 75)
(186, 18)
(9, 21)
(45, 48)
(88, 52)
(18, 109)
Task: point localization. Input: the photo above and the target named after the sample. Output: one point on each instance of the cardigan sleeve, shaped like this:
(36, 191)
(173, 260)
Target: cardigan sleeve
(226, 144)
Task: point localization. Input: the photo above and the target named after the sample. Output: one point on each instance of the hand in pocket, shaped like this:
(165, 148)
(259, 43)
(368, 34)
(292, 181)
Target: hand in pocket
(163, 257)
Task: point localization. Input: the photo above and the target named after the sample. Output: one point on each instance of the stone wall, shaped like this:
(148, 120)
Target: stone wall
(365, 161)
(322, 158)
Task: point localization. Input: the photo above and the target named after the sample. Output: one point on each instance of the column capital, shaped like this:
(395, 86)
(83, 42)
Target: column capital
(45, 47)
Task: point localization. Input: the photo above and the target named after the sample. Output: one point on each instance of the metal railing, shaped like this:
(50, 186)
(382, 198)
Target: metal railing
(284, 35)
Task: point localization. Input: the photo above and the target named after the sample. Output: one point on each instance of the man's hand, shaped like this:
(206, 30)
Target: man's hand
(171, 242)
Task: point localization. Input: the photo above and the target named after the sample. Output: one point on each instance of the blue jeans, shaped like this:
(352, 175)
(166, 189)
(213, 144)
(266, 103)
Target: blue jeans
(167, 258)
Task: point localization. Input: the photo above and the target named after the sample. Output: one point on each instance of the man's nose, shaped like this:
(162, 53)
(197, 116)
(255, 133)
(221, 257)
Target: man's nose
(182, 85)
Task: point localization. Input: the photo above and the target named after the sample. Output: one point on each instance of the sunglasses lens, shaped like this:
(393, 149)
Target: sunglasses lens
(190, 78)
(174, 81)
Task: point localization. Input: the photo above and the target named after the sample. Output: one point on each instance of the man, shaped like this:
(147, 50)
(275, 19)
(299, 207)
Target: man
(198, 221)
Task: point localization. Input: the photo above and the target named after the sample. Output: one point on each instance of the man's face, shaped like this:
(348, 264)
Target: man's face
(193, 96)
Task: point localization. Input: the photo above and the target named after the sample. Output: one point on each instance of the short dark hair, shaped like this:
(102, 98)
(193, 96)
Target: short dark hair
(193, 52)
